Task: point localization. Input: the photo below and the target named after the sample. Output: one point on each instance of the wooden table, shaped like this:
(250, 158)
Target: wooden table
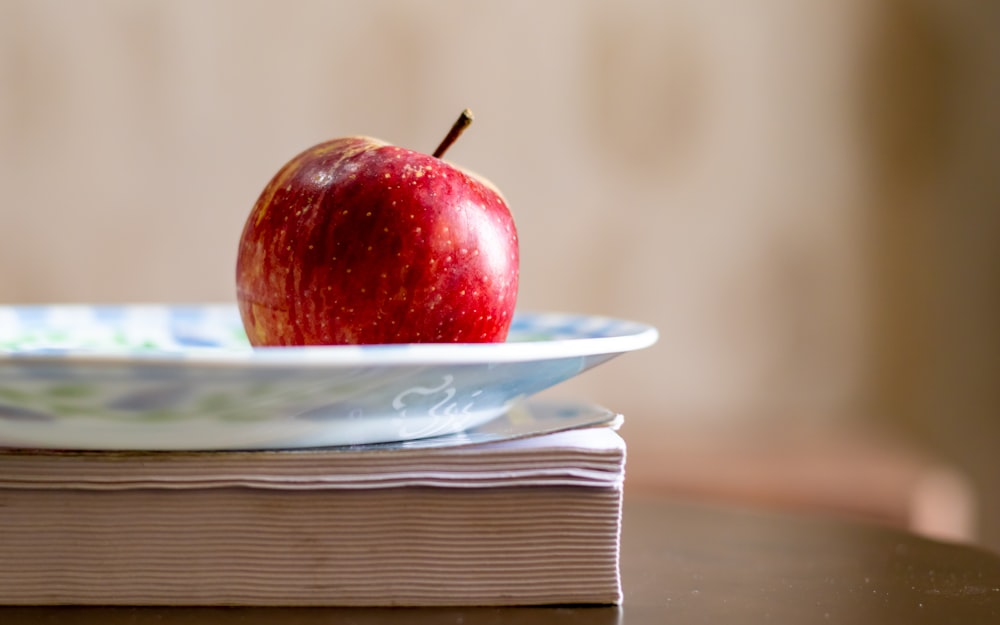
(684, 563)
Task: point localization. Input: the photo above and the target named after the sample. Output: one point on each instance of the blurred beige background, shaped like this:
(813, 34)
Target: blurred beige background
(802, 197)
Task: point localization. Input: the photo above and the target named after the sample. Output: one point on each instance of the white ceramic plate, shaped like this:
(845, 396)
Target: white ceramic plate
(184, 377)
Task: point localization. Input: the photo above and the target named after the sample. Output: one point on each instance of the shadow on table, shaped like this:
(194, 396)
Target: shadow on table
(73, 615)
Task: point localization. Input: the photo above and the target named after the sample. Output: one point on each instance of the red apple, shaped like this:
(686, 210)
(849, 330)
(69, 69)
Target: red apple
(355, 241)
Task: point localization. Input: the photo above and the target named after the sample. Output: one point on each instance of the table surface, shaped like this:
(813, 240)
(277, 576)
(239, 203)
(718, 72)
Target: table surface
(686, 563)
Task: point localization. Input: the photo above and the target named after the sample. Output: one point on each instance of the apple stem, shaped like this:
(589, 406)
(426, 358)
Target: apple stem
(456, 130)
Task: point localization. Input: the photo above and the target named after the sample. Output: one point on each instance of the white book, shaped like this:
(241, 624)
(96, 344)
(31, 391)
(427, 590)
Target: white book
(529, 521)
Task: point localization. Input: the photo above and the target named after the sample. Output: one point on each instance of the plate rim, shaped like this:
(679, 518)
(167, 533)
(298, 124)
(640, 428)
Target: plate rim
(640, 336)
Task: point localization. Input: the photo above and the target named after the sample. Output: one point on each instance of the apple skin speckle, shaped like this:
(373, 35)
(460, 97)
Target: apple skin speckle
(335, 252)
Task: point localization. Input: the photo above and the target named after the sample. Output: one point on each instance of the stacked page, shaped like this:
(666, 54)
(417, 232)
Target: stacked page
(529, 521)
